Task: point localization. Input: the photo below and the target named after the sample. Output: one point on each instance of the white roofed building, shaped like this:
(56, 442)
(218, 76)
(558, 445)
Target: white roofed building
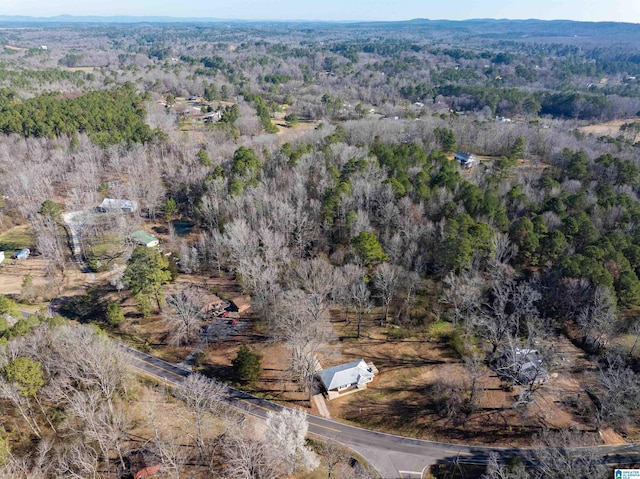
(112, 204)
(348, 377)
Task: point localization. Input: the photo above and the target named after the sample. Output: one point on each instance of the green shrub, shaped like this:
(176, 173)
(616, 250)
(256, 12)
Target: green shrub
(247, 365)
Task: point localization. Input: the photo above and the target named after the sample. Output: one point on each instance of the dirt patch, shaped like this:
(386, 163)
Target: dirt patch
(293, 131)
(15, 49)
(611, 438)
(417, 376)
(81, 69)
(608, 128)
(13, 272)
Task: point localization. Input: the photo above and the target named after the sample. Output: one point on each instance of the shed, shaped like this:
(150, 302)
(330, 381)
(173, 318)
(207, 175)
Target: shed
(240, 304)
(466, 159)
(350, 376)
(116, 204)
(213, 305)
(147, 472)
(1, 256)
(22, 254)
(145, 239)
(138, 467)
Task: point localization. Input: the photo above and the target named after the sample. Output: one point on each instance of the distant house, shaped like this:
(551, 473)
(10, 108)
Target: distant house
(145, 239)
(22, 254)
(524, 366)
(530, 366)
(112, 204)
(348, 377)
(240, 304)
(1, 256)
(466, 159)
(212, 304)
(212, 116)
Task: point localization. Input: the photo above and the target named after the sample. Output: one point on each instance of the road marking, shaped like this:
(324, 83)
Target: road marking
(324, 427)
(160, 367)
(459, 453)
(256, 405)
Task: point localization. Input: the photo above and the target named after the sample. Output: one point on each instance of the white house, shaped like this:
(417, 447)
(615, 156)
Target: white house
(113, 204)
(348, 377)
(1, 256)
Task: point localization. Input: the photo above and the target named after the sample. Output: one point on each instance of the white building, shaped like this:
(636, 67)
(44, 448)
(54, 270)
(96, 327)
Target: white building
(112, 204)
(347, 377)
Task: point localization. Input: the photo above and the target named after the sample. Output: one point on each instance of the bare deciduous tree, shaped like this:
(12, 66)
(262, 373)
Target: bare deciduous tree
(598, 320)
(203, 398)
(185, 314)
(286, 433)
(303, 325)
(386, 281)
(615, 392)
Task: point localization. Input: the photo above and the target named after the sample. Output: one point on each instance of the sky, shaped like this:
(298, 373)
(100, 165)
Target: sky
(587, 10)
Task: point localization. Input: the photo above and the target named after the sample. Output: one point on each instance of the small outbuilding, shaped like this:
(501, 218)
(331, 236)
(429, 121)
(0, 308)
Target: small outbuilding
(347, 378)
(114, 204)
(466, 159)
(240, 304)
(213, 305)
(1, 256)
(22, 254)
(143, 465)
(144, 239)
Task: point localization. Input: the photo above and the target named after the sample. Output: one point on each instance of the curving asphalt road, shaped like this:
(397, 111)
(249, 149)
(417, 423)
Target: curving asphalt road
(394, 457)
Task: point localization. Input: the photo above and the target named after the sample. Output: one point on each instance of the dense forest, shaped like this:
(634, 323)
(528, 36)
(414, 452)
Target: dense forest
(313, 165)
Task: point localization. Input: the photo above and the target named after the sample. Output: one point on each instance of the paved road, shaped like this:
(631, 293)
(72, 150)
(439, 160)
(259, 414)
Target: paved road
(395, 457)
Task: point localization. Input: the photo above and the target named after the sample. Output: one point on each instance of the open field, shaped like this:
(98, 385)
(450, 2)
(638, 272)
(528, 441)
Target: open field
(608, 128)
(81, 69)
(401, 398)
(17, 238)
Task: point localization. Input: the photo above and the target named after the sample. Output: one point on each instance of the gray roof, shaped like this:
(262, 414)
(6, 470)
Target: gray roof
(356, 372)
(115, 203)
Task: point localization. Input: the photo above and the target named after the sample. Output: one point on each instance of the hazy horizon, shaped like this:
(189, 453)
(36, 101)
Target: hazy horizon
(336, 10)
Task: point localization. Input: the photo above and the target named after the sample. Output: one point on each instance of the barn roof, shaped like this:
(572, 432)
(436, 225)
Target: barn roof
(142, 237)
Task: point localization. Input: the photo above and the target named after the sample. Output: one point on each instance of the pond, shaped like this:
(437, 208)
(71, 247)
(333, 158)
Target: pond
(182, 228)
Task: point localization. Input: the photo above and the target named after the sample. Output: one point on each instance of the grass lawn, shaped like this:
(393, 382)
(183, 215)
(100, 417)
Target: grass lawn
(104, 251)
(17, 238)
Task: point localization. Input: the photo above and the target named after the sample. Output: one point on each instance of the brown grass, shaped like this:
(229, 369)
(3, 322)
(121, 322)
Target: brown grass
(401, 398)
(608, 128)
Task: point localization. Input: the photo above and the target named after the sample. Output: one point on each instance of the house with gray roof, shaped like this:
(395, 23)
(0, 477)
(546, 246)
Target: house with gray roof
(349, 377)
(114, 204)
